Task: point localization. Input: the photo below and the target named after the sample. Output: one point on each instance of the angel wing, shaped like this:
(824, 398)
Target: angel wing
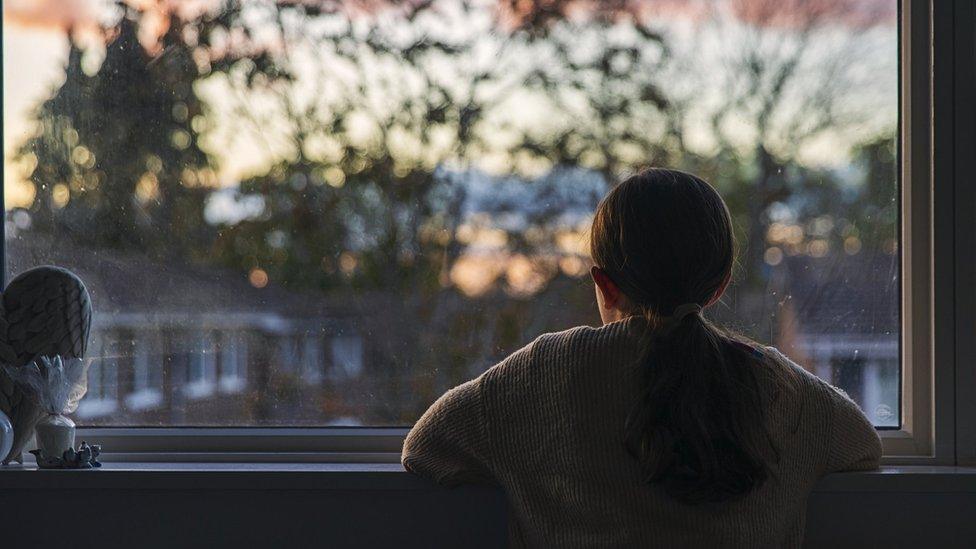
(46, 311)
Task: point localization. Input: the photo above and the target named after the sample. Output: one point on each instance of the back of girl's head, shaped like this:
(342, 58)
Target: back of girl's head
(665, 239)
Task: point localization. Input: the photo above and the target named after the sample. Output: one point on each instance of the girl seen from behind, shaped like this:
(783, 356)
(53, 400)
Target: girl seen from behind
(658, 428)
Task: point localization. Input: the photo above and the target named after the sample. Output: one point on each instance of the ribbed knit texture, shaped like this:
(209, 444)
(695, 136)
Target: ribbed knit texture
(547, 425)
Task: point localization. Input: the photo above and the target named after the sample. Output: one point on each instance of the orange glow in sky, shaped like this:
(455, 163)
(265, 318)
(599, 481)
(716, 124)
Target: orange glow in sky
(36, 45)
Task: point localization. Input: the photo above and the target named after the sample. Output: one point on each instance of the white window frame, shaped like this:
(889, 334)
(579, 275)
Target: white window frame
(931, 262)
(938, 313)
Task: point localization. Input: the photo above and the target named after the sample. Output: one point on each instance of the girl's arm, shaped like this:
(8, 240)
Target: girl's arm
(449, 444)
(854, 443)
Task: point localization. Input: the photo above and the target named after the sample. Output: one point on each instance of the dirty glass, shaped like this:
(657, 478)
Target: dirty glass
(328, 213)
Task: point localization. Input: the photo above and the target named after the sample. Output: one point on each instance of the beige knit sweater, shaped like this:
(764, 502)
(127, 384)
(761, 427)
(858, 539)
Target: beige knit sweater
(546, 425)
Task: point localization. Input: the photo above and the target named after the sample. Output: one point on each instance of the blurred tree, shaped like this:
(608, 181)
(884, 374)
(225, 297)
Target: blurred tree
(785, 88)
(117, 147)
(379, 108)
(380, 119)
(374, 122)
(873, 211)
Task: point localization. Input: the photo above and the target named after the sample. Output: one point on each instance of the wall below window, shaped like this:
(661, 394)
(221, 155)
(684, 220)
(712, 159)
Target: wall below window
(897, 507)
(301, 505)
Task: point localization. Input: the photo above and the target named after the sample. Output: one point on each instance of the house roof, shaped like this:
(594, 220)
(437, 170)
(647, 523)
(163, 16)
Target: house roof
(842, 295)
(133, 286)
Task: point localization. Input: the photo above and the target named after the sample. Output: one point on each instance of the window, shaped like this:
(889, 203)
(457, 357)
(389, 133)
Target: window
(147, 373)
(233, 363)
(102, 396)
(347, 357)
(312, 359)
(311, 217)
(201, 371)
(289, 354)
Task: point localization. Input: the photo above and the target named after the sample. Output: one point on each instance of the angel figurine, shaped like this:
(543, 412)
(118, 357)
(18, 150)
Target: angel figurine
(45, 311)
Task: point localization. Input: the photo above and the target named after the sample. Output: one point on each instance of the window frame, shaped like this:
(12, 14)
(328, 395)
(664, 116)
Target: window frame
(938, 307)
(938, 236)
(963, 171)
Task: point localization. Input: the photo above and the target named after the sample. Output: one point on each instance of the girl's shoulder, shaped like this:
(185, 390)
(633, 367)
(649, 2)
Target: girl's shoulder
(609, 339)
(806, 382)
(787, 363)
(557, 353)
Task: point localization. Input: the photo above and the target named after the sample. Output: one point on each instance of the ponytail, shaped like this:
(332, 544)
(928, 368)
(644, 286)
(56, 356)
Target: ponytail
(698, 428)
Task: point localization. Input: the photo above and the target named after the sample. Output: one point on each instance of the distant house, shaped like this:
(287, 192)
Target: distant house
(174, 344)
(840, 320)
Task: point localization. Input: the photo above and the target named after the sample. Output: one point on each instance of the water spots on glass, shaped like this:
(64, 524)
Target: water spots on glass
(884, 414)
(301, 216)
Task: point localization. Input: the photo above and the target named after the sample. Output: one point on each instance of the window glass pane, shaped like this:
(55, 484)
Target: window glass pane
(347, 357)
(297, 214)
(146, 392)
(101, 400)
(312, 361)
(197, 354)
(233, 362)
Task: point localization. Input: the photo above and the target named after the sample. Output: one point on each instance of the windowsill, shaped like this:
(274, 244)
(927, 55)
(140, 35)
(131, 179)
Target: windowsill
(276, 504)
(207, 476)
(903, 479)
(392, 476)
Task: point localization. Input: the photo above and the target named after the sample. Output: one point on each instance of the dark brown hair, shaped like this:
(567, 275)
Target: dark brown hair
(665, 238)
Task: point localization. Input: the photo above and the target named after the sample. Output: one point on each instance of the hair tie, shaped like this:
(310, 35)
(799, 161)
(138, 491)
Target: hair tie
(681, 311)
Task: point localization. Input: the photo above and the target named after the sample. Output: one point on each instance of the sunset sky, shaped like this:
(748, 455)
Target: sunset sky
(42, 50)
(35, 47)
